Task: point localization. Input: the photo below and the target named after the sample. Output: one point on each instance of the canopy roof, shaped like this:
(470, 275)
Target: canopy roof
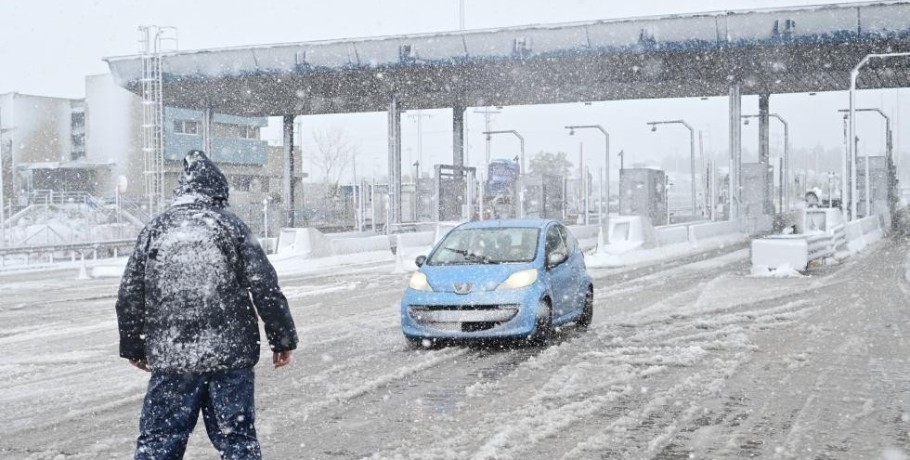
(769, 51)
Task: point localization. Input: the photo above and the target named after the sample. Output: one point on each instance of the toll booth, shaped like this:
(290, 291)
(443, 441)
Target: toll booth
(878, 171)
(542, 195)
(451, 190)
(755, 176)
(643, 192)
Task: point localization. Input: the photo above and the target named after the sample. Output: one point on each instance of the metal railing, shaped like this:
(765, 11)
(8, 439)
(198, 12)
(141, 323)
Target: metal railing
(840, 236)
(52, 197)
(52, 251)
(820, 246)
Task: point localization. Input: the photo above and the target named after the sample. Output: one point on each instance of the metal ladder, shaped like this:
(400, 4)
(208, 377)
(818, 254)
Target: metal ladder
(150, 40)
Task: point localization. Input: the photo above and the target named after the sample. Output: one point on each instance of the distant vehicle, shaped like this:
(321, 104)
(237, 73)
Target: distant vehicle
(501, 177)
(512, 279)
(500, 199)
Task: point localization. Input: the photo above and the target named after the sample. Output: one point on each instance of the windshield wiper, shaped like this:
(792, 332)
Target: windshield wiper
(471, 257)
(463, 252)
(480, 258)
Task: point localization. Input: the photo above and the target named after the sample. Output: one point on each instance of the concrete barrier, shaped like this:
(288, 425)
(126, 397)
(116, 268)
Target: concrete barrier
(415, 240)
(586, 235)
(790, 251)
(345, 246)
(713, 230)
(780, 251)
(672, 234)
(306, 242)
(863, 232)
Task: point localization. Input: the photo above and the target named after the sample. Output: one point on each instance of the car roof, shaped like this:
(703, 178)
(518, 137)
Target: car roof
(505, 223)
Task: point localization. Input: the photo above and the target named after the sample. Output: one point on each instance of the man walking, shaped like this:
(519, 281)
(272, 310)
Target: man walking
(187, 312)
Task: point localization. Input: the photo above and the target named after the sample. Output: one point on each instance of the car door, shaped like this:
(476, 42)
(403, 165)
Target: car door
(576, 265)
(560, 275)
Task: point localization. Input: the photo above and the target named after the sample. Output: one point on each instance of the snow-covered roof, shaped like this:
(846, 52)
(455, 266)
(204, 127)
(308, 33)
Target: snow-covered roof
(773, 50)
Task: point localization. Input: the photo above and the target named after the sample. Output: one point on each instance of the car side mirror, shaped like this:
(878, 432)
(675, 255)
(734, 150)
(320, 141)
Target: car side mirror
(556, 258)
(420, 260)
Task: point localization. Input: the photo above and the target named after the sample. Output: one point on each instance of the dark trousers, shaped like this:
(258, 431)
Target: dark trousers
(172, 405)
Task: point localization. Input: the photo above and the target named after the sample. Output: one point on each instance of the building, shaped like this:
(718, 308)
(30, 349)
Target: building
(94, 146)
(43, 144)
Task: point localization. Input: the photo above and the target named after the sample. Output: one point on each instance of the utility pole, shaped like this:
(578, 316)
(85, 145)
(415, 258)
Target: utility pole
(488, 122)
(419, 116)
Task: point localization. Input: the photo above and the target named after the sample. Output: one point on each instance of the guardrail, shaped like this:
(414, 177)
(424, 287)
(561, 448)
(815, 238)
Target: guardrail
(799, 250)
(75, 248)
(839, 234)
(819, 246)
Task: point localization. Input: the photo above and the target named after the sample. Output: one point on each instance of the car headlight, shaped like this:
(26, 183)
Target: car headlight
(419, 282)
(519, 280)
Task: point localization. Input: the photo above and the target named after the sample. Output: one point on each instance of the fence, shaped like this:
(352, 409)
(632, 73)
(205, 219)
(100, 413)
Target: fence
(51, 252)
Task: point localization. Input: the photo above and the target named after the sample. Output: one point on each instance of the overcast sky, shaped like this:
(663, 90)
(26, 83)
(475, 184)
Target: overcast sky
(47, 47)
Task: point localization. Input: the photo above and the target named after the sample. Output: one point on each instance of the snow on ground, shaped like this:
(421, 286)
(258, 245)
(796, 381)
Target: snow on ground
(620, 258)
(688, 357)
(783, 271)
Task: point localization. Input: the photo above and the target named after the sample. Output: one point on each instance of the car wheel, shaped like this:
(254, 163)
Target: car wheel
(587, 312)
(544, 327)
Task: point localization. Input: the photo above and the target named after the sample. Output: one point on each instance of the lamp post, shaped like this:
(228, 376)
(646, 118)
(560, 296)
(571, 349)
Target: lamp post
(654, 124)
(604, 215)
(887, 149)
(853, 75)
(416, 190)
(785, 184)
(419, 116)
(520, 139)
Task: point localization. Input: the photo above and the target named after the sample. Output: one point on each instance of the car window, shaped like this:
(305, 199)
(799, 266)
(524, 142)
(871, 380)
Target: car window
(555, 242)
(571, 243)
(486, 245)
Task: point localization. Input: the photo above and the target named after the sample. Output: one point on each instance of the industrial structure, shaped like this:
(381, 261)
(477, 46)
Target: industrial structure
(731, 54)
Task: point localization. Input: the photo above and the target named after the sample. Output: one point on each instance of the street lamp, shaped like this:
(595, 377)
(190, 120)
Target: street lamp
(887, 149)
(785, 185)
(852, 147)
(416, 166)
(654, 124)
(604, 216)
(520, 139)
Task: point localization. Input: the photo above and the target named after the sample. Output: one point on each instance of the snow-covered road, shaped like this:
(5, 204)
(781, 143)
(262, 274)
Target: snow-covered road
(690, 358)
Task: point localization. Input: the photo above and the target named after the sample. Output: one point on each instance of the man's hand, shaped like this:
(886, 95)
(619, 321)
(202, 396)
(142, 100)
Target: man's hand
(141, 364)
(281, 358)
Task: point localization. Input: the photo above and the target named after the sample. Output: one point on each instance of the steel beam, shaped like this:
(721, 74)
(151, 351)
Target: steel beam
(736, 132)
(458, 135)
(394, 124)
(288, 131)
(208, 130)
(764, 151)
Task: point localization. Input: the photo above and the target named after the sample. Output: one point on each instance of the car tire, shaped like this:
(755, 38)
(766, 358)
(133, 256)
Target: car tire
(544, 327)
(587, 312)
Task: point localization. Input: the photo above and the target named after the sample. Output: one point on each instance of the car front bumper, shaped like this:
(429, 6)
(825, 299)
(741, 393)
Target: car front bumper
(478, 315)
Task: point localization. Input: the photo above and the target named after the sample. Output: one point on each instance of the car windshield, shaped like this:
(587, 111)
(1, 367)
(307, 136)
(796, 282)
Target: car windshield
(486, 246)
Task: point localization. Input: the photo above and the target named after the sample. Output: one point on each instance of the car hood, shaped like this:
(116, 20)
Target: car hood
(478, 277)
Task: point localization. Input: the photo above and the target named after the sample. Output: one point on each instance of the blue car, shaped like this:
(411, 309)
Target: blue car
(498, 279)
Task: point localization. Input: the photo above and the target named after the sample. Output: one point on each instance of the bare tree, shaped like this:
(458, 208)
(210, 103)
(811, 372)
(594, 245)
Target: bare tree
(333, 157)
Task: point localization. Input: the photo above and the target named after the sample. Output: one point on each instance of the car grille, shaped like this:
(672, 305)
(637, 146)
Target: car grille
(464, 318)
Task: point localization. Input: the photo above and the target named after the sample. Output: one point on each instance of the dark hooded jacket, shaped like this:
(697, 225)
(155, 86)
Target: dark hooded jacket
(197, 278)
